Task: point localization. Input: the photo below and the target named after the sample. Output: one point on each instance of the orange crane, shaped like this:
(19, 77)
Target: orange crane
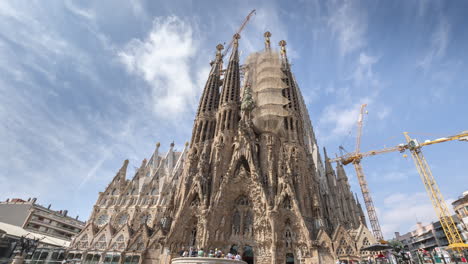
(438, 202)
(373, 219)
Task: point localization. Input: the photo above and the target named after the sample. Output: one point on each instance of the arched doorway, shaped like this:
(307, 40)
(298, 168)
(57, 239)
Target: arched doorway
(289, 258)
(248, 255)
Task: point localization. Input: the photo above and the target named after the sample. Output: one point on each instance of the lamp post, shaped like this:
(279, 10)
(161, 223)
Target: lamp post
(26, 245)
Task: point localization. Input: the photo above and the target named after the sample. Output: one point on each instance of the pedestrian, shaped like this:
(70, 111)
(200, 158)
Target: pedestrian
(229, 255)
(219, 253)
(238, 257)
(185, 254)
(181, 252)
(211, 254)
(201, 253)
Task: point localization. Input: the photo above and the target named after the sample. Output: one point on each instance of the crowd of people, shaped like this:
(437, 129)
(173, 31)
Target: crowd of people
(216, 253)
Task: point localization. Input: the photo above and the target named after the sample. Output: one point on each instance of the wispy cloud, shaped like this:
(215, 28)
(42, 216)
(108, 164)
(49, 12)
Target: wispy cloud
(439, 43)
(85, 13)
(348, 24)
(341, 118)
(164, 60)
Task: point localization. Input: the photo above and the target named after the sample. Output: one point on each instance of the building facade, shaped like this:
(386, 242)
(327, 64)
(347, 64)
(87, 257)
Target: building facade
(426, 237)
(251, 180)
(25, 218)
(460, 206)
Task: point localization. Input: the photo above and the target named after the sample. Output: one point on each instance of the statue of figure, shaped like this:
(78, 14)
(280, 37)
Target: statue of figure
(203, 164)
(247, 104)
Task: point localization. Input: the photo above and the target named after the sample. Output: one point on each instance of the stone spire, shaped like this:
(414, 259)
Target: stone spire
(155, 158)
(293, 124)
(228, 115)
(205, 123)
(329, 172)
(119, 178)
(362, 217)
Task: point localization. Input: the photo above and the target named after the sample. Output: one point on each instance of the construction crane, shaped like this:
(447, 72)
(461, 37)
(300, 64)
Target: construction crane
(243, 68)
(244, 23)
(438, 202)
(356, 160)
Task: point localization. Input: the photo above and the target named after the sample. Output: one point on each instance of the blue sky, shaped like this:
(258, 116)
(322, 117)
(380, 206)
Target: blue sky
(86, 85)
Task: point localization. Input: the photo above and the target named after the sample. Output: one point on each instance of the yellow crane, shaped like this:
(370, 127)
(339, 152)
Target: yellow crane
(356, 160)
(438, 202)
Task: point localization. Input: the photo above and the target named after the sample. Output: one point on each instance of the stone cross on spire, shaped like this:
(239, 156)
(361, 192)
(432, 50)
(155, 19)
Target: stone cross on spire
(267, 36)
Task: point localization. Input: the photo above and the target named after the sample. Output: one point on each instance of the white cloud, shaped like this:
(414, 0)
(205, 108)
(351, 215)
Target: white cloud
(401, 211)
(439, 43)
(349, 25)
(340, 119)
(363, 74)
(165, 60)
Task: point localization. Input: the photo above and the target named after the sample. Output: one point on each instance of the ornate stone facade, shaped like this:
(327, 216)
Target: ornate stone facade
(251, 180)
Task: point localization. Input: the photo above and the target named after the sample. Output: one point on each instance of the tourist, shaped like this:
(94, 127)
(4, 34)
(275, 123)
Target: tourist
(219, 253)
(201, 253)
(181, 252)
(211, 254)
(229, 255)
(238, 257)
(185, 254)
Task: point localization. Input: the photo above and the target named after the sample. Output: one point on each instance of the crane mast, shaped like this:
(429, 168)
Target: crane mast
(438, 201)
(373, 219)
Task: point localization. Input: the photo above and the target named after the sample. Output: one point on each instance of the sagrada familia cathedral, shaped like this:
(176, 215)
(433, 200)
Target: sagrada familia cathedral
(251, 181)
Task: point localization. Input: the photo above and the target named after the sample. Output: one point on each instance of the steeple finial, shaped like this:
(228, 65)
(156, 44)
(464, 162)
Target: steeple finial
(267, 36)
(219, 48)
(235, 46)
(236, 38)
(123, 170)
(282, 44)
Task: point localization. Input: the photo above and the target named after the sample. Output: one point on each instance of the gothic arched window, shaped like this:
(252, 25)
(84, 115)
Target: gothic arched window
(195, 201)
(236, 218)
(248, 222)
(101, 243)
(287, 203)
(242, 200)
(193, 236)
(84, 241)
